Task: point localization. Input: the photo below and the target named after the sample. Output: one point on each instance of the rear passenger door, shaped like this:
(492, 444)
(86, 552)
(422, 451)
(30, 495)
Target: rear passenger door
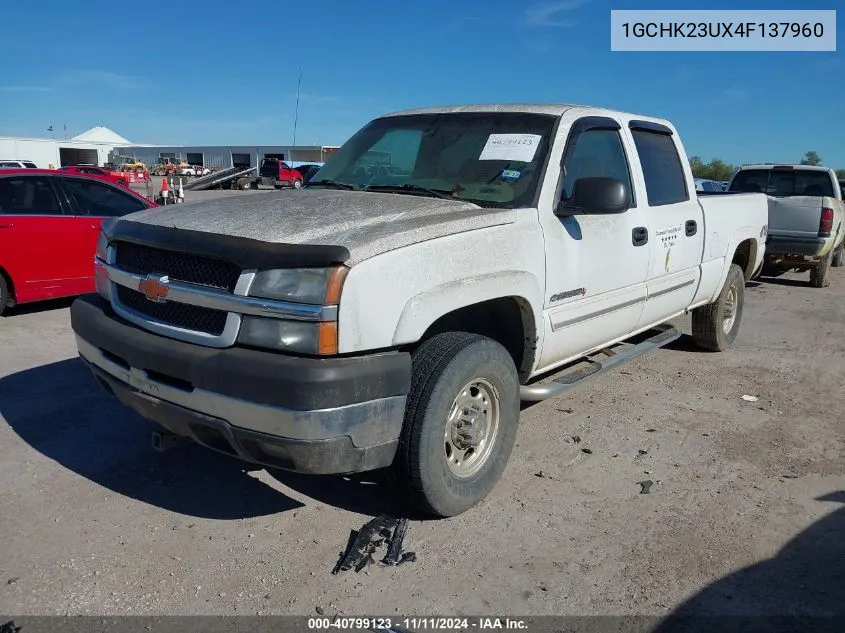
(675, 218)
(34, 237)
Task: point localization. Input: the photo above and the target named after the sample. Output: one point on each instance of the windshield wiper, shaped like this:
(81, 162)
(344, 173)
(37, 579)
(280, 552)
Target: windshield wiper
(437, 193)
(332, 183)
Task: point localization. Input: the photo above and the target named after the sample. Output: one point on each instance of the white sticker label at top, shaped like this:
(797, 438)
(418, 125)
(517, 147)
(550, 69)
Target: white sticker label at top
(519, 147)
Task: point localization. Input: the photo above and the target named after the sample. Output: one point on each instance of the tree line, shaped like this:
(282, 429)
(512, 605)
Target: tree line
(719, 170)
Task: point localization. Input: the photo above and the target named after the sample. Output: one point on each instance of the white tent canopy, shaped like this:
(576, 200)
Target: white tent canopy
(103, 135)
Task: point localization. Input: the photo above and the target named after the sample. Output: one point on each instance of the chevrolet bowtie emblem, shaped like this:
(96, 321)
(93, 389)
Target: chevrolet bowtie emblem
(154, 288)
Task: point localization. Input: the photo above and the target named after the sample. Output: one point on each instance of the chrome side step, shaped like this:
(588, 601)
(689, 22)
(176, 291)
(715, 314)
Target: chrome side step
(614, 357)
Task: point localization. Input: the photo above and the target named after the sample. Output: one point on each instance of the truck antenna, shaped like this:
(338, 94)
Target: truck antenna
(296, 114)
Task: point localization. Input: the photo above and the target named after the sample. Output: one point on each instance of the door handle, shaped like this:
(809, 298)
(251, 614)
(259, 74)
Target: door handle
(639, 236)
(6, 226)
(691, 227)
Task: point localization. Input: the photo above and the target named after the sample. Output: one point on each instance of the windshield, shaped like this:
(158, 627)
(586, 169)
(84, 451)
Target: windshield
(777, 182)
(492, 159)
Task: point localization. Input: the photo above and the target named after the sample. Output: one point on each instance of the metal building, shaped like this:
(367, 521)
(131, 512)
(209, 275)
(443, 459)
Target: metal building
(93, 147)
(225, 156)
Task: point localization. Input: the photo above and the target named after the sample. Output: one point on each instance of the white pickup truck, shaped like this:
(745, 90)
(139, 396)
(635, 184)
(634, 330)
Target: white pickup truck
(806, 211)
(444, 265)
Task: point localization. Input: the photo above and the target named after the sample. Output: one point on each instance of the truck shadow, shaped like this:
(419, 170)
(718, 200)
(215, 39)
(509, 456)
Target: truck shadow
(801, 589)
(780, 281)
(61, 411)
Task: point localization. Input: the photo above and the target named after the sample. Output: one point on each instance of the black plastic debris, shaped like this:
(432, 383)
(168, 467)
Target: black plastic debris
(373, 535)
(9, 627)
(645, 486)
(12, 581)
(587, 450)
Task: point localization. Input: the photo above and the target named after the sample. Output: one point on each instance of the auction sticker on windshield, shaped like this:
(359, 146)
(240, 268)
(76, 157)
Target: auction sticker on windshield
(519, 147)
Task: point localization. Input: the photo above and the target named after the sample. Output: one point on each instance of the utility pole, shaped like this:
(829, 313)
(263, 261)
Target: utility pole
(296, 115)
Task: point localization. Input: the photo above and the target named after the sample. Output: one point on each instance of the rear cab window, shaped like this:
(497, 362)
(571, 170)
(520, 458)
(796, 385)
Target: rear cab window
(663, 172)
(784, 182)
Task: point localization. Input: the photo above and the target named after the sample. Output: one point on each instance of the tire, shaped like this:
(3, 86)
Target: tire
(297, 184)
(836, 262)
(244, 184)
(5, 296)
(712, 327)
(161, 172)
(820, 274)
(446, 369)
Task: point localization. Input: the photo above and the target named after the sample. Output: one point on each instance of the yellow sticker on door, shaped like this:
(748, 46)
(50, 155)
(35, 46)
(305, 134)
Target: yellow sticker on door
(666, 263)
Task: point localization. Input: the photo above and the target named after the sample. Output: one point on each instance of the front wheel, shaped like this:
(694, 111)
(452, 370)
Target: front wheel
(715, 325)
(460, 423)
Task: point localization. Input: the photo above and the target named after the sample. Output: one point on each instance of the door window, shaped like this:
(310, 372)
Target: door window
(100, 199)
(28, 195)
(664, 177)
(597, 153)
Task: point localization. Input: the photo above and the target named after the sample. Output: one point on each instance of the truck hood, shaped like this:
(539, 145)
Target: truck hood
(366, 224)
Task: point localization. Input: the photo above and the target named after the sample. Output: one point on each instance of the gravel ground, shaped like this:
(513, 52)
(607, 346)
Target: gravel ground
(745, 514)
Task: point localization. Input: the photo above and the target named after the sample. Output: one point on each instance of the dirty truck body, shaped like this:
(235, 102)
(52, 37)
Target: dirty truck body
(806, 212)
(396, 317)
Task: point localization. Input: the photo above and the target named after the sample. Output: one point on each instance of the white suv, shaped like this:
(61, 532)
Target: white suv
(17, 164)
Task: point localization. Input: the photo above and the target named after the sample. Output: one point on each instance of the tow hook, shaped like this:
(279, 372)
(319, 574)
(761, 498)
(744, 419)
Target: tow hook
(165, 440)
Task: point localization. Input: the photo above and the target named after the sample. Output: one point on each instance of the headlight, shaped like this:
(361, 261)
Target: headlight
(293, 336)
(102, 246)
(319, 286)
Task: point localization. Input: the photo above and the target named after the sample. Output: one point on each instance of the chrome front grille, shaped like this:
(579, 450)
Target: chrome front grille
(179, 319)
(180, 315)
(192, 269)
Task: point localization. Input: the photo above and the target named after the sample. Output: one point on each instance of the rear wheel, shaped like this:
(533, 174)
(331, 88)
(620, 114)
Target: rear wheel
(4, 294)
(820, 274)
(715, 326)
(460, 423)
(837, 256)
(244, 184)
(297, 184)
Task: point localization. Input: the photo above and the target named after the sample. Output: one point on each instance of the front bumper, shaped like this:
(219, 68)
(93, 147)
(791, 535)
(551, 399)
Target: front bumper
(308, 415)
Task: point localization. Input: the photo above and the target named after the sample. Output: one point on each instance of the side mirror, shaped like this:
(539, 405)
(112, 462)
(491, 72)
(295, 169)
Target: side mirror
(596, 196)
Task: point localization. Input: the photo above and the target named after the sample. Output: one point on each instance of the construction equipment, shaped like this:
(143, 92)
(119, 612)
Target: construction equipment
(168, 166)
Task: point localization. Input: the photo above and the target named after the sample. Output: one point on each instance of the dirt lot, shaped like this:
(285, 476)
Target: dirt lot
(745, 514)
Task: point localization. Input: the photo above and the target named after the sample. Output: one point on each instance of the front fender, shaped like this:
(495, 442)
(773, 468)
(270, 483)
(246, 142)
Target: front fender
(421, 311)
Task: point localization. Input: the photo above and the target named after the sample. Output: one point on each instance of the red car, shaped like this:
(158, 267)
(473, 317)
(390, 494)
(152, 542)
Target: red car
(116, 177)
(49, 226)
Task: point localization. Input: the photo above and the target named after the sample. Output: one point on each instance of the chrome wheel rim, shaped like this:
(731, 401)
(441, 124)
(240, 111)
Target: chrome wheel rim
(731, 308)
(472, 428)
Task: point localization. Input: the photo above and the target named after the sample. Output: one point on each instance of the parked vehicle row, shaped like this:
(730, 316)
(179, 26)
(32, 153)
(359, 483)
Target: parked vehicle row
(394, 313)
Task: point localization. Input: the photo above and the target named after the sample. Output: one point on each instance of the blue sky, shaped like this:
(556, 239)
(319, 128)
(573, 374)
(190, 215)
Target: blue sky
(102, 63)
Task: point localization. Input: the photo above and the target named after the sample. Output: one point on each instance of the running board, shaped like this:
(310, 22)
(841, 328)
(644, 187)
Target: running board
(542, 391)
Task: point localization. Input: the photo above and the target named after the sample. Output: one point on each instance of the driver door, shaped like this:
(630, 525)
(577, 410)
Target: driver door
(596, 265)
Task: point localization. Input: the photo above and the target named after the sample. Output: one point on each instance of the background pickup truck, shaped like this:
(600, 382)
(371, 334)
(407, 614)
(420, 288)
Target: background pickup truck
(805, 217)
(396, 316)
